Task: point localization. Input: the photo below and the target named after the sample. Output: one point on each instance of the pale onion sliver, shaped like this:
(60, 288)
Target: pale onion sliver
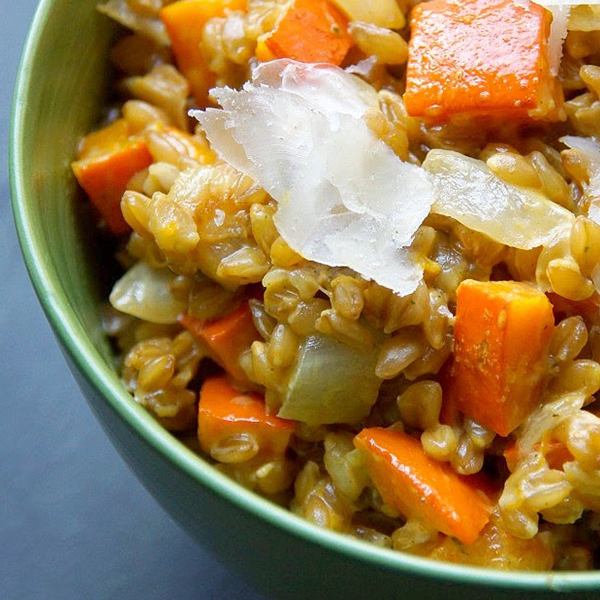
(467, 190)
(144, 292)
(344, 198)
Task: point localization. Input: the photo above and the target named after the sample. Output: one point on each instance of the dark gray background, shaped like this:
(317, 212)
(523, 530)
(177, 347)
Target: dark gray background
(74, 521)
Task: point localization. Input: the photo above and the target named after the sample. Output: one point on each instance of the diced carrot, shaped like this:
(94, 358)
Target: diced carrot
(310, 31)
(108, 159)
(223, 412)
(501, 336)
(184, 21)
(556, 453)
(422, 488)
(589, 308)
(225, 339)
(480, 57)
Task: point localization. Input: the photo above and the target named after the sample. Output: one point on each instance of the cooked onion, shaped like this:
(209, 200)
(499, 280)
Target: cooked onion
(144, 292)
(468, 191)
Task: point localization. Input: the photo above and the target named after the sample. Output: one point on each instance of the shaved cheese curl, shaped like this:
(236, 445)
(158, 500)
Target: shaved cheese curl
(561, 24)
(344, 198)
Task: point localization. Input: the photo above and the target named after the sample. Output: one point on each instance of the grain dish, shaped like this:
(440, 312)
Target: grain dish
(358, 252)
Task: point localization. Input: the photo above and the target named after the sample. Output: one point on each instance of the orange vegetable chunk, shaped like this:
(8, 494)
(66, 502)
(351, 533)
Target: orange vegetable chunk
(501, 336)
(497, 548)
(422, 488)
(108, 158)
(310, 31)
(185, 21)
(225, 339)
(480, 56)
(224, 411)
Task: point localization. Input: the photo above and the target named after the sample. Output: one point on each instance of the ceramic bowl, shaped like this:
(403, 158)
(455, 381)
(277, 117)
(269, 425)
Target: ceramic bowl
(60, 90)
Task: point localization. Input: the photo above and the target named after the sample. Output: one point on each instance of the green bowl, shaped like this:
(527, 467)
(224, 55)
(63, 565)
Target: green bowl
(60, 90)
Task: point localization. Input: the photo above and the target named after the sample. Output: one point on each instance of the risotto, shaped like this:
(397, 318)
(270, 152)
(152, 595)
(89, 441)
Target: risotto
(359, 249)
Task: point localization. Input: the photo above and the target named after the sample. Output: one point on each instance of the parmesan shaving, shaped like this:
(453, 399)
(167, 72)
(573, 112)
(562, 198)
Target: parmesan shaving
(344, 198)
(558, 34)
(561, 24)
(467, 190)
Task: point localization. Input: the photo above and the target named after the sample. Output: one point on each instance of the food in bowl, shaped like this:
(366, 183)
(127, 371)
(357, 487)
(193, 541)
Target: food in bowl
(358, 250)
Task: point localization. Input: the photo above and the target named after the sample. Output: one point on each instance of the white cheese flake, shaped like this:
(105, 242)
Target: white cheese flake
(561, 24)
(344, 198)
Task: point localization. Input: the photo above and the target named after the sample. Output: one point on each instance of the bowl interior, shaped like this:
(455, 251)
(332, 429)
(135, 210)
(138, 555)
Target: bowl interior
(60, 92)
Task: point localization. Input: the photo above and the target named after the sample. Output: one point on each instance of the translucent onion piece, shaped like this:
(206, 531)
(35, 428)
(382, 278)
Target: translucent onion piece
(383, 13)
(330, 383)
(144, 292)
(468, 191)
(345, 199)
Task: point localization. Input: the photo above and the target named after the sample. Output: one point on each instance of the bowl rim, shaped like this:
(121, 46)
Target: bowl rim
(99, 376)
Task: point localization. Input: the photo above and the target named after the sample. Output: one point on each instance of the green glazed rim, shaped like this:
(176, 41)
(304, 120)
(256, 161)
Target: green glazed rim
(98, 374)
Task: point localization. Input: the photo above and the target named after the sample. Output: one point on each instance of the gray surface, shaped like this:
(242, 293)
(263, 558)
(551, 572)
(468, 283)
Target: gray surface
(74, 522)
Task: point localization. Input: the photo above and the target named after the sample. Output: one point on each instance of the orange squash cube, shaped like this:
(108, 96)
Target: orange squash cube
(310, 31)
(184, 21)
(480, 57)
(223, 411)
(225, 338)
(108, 159)
(501, 336)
